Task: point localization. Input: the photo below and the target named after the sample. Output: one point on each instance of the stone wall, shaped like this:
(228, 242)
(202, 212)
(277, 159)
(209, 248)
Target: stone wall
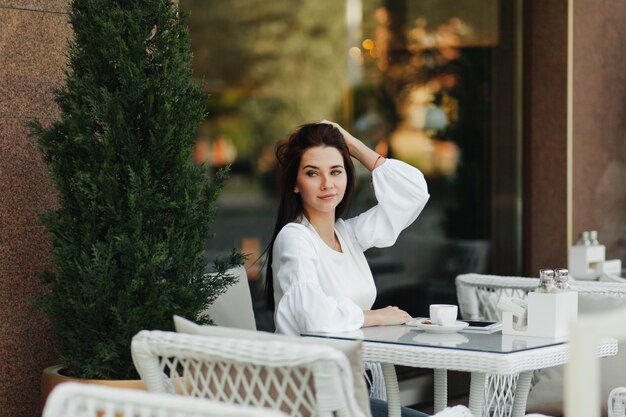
(598, 144)
(33, 35)
(599, 123)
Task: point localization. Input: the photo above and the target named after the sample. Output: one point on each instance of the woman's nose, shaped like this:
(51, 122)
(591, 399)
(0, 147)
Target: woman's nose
(326, 182)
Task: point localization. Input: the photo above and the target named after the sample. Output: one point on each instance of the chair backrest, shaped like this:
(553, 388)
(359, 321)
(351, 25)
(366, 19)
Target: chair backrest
(351, 348)
(582, 372)
(300, 380)
(72, 399)
(478, 294)
(617, 402)
(234, 307)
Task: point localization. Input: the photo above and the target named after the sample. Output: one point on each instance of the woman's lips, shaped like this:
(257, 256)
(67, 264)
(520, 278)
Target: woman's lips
(327, 197)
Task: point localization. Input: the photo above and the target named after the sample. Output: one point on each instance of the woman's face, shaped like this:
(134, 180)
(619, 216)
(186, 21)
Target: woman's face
(321, 180)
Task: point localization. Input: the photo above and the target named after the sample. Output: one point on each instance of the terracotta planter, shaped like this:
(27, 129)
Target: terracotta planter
(51, 378)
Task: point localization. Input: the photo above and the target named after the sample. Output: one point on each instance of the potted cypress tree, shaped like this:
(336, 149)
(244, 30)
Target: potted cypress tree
(134, 213)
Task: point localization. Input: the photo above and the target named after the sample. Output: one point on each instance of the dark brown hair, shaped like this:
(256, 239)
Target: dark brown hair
(289, 155)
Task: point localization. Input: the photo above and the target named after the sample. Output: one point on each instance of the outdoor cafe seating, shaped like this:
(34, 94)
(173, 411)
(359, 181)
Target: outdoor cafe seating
(244, 372)
(478, 296)
(295, 375)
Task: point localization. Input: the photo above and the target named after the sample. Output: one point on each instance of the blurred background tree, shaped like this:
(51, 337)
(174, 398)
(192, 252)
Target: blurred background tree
(281, 67)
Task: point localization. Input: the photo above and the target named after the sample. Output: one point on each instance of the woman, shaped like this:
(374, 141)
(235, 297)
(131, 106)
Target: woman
(317, 276)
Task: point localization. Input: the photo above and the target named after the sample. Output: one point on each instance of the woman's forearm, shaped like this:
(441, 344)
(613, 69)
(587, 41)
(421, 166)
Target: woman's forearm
(387, 316)
(366, 156)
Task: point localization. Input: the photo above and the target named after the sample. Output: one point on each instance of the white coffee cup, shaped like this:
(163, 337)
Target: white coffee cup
(443, 314)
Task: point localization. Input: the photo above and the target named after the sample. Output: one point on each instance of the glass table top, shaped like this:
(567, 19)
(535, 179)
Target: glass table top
(404, 335)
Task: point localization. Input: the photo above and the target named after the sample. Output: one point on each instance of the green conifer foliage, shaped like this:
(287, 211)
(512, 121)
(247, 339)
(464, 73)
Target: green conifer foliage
(134, 213)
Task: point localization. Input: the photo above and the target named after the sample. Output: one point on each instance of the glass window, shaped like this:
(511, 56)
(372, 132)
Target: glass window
(431, 82)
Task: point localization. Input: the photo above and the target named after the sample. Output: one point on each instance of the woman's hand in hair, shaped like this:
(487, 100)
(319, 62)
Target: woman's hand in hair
(387, 316)
(350, 140)
(358, 149)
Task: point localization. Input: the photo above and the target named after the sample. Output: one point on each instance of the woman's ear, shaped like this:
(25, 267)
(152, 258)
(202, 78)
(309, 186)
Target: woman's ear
(296, 190)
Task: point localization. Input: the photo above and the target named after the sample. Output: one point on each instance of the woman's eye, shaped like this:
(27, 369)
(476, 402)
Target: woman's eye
(311, 173)
(336, 172)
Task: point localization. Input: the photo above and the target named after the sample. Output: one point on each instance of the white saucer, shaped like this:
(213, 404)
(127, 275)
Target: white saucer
(438, 339)
(424, 324)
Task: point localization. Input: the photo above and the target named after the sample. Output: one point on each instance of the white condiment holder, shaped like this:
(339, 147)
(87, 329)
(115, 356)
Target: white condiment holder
(584, 260)
(549, 315)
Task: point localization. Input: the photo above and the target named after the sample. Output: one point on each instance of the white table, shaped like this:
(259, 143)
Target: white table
(480, 354)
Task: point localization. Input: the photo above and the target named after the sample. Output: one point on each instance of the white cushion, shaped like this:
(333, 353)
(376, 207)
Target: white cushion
(352, 349)
(234, 307)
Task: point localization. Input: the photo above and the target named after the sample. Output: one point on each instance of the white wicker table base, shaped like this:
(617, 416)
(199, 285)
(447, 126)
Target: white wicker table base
(511, 401)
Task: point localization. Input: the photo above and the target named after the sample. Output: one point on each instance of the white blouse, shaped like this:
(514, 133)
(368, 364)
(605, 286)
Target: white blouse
(319, 289)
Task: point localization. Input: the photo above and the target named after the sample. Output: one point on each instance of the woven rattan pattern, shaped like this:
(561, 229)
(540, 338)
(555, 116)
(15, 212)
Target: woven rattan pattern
(617, 402)
(300, 380)
(88, 400)
(472, 361)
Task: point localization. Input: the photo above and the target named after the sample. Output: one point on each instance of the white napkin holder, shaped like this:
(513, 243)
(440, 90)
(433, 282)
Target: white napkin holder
(583, 261)
(549, 315)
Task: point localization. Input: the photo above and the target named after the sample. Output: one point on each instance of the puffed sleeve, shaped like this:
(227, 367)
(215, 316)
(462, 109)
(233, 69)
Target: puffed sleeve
(401, 193)
(304, 305)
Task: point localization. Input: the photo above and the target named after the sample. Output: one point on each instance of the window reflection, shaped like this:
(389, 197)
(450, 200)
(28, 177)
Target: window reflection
(414, 79)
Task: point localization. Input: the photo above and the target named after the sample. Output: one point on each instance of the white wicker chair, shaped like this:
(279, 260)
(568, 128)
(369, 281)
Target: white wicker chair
(72, 399)
(478, 296)
(582, 372)
(617, 402)
(297, 379)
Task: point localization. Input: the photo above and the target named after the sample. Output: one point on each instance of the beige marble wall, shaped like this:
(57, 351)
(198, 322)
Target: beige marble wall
(599, 122)
(33, 35)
